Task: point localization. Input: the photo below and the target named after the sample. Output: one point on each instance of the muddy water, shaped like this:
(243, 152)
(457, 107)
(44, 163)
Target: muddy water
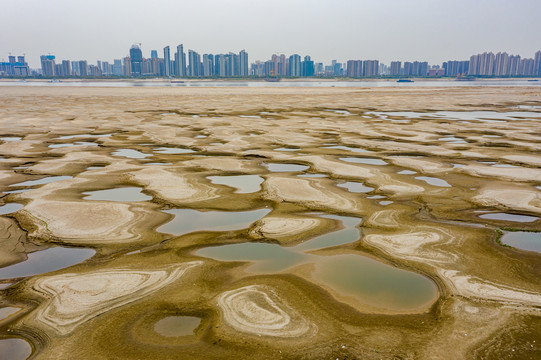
(245, 184)
(282, 167)
(371, 282)
(15, 349)
(175, 326)
(44, 261)
(524, 240)
(126, 194)
(187, 220)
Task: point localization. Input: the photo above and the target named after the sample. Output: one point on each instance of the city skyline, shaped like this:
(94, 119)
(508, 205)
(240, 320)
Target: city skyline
(388, 30)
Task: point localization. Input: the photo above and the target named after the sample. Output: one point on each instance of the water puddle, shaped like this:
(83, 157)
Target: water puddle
(187, 220)
(407, 172)
(157, 163)
(10, 208)
(347, 148)
(48, 260)
(287, 149)
(367, 161)
(376, 197)
(342, 112)
(168, 150)
(250, 116)
(68, 137)
(175, 326)
(43, 181)
(245, 184)
(524, 240)
(455, 166)
(77, 143)
(11, 138)
(509, 217)
(355, 187)
(433, 181)
(130, 154)
(375, 283)
(125, 194)
(452, 139)
(529, 106)
(200, 136)
(484, 116)
(282, 167)
(15, 349)
(505, 166)
(312, 175)
(370, 281)
(386, 202)
(7, 311)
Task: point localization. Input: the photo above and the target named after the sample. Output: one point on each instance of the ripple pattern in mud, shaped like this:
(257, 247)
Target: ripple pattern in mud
(258, 310)
(75, 298)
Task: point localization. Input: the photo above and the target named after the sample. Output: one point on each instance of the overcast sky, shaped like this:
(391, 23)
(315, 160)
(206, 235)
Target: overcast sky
(430, 30)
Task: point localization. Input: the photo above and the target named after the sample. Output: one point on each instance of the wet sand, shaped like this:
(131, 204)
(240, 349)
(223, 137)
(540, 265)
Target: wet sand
(430, 178)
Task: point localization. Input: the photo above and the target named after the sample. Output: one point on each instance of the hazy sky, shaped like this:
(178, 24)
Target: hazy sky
(430, 30)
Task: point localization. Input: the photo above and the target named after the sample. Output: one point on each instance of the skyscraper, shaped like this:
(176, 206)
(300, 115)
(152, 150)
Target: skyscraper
(66, 68)
(167, 59)
(117, 67)
(537, 63)
(243, 59)
(295, 65)
(180, 60)
(47, 65)
(307, 67)
(153, 54)
(396, 66)
(354, 68)
(208, 65)
(136, 59)
(194, 63)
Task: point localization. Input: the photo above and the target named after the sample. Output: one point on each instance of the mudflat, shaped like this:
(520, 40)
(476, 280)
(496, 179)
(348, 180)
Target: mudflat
(378, 211)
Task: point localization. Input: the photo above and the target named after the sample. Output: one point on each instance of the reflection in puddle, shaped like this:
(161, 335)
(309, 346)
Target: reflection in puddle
(125, 194)
(200, 136)
(509, 217)
(368, 161)
(505, 166)
(245, 184)
(524, 240)
(44, 261)
(15, 349)
(433, 181)
(370, 281)
(10, 138)
(10, 208)
(157, 163)
(168, 150)
(282, 167)
(458, 165)
(355, 187)
(485, 116)
(130, 153)
(187, 220)
(45, 180)
(175, 326)
(347, 148)
(385, 203)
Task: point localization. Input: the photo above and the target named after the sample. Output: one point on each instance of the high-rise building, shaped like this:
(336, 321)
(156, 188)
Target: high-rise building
(307, 67)
(153, 54)
(370, 68)
(208, 65)
(136, 58)
(117, 67)
(180, 60)
(194, 64)
(243, 59)
(66, 68)
(127, 66)
(354, 68)
(396, 67)
(295, 65)
(47, 65)
(537, 63)
(167, 60)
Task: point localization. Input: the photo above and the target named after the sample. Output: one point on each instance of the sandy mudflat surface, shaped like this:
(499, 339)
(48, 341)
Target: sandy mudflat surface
(418, 168)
